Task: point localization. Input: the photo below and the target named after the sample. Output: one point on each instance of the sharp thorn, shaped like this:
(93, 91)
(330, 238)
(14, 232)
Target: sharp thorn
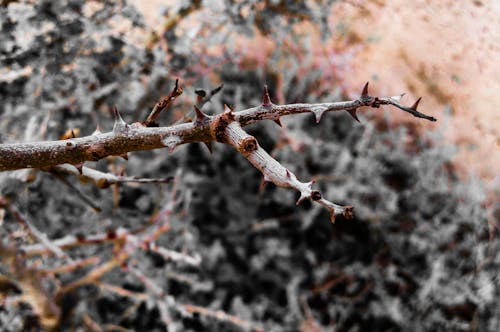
(124, 156)
(209, 146)
(353, 114)
(302, 198)
(200, 116)
(278, 122)
(364, 93)
(116, 115)
(227, 109)
(119, 123)
(288, 175)
(415, 105)
(266, 100)
(97, 130)
(79, 167)
(398, 98)
(332, 216)
(318, 114)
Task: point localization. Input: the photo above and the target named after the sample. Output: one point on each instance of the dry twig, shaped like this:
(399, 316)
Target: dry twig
(225, 128)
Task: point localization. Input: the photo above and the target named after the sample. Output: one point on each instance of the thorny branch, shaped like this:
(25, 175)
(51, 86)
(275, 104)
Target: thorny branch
(225, 128)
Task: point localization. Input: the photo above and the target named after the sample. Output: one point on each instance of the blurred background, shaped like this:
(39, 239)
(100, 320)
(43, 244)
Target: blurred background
(421, 253)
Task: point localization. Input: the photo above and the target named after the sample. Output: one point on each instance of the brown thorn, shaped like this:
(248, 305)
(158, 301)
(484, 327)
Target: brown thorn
(278, 122)
(200, 116)
(266, 100)
(364, 93)
(415, 105)
(353, 114)
(227, 109)
(288, 174)
(209, 146)
(79, 167)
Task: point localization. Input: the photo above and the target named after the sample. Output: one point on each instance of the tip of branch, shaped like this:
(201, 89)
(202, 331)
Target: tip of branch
(177, 91)
(266, 100)
(353, 114)
(217, 89)
(200, 93)
(364, 93)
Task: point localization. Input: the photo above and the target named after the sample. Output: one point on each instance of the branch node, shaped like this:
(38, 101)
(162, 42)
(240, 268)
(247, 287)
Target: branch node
(248, 145)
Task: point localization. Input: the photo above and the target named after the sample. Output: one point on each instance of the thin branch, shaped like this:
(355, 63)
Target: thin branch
(163, 104)
(104, 180)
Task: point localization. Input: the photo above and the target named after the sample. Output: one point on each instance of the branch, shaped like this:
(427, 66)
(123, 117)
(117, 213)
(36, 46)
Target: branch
(163, 104)
(224, 128)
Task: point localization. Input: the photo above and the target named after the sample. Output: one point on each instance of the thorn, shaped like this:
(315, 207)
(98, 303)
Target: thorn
(79, 167)
(73, 133)
(415, 105)
(364, 93)
(318, 114)
(124, 156)
(119, 123)
(332, 216)
(209, 146)
(200, 116)
(266, 100)
(302, 198)
(264, 182)
(288, 175)
(278, 122)
(398, 98)
(353, 114)
(97, 130)
(227, 109)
